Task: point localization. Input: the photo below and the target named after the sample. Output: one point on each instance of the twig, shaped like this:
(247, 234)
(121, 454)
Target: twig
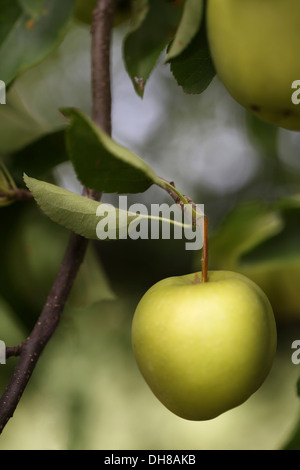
(44, 328)
(17, 194)
(102, 24)
(13, 351)
(21, 194)
(31, 349)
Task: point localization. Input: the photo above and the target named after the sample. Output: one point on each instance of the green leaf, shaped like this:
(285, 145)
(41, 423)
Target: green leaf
(287, 203)
(262, 242)
(83, 10)
(293, 442)
(26, 290)
(10, 11)
(247, 226)
(254, 233)
(72, 211)
(282, 247)
(34, 98)
(30, 33)
(101, 163)
(7, 184)
(89, 218)
(78, 213)
(193, 69)
(188, 27)
(6, 180)
(39, 157)
(298, 387)
(33, 8)
(17, 121)
(153, 26)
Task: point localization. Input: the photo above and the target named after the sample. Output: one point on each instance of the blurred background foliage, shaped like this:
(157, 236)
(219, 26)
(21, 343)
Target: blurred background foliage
(86, 392)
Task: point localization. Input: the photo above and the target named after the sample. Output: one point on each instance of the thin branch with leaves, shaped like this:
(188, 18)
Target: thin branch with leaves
(30, 350)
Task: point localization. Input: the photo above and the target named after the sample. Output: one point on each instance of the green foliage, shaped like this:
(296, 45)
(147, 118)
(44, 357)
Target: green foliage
(178, 25)
(245, 227)
(81, 215)
(28, 159)
(33, 8)
(34, 98)
(101, 163)
(153, 26)
(31, 30)
(10, 13)
(188, 27)
(282, 247)
(293, 443)
(75, 212)
(193, 68)
(7, 184)
(31, 249)
(262, 242)
(83, 10)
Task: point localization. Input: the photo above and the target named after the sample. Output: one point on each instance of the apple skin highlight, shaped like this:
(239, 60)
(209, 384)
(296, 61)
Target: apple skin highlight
(204, 348)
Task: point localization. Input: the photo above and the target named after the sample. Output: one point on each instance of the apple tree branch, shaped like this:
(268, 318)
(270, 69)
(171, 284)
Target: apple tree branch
(30, 350)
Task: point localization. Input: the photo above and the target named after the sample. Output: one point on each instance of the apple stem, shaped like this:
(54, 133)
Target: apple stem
(182, 200)
(205, 249)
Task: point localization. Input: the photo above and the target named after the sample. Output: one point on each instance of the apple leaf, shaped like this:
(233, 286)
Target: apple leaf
(283, 246)
(10, 11)
(31, 29)
(293, 442)
(33, 8)
(288, 203)
(193, 68)
(262, 242)
(188, 27)
(153, 26)
(28, 159)
(101, 163)
(89, 218)
(72, 211)
(244, 228)
(83, 10)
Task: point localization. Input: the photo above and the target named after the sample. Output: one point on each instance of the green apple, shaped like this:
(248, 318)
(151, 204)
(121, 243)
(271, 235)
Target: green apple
(255, 48)
(204, 347)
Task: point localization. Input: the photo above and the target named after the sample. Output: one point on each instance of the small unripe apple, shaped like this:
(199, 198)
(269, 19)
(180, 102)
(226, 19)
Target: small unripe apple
(204, 347)
(255, 50)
